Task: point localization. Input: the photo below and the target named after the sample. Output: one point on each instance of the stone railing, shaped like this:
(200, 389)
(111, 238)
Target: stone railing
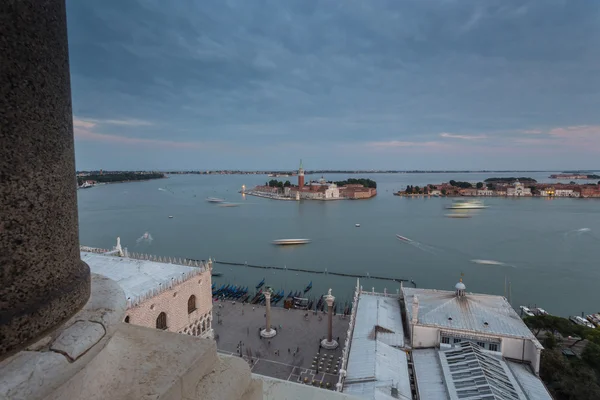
(347, 343)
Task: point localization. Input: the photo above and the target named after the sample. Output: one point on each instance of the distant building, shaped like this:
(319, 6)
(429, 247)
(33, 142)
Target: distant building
(485, 192)
(518, 190)
(300, 176)
(162, 295)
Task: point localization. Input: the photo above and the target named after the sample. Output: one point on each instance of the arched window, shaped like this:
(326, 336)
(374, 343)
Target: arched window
(127, 319)
(203, 326)
(191, 304)
(161, 321)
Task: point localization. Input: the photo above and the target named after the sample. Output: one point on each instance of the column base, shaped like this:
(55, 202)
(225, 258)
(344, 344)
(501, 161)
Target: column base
(268, 334)
(329, 345)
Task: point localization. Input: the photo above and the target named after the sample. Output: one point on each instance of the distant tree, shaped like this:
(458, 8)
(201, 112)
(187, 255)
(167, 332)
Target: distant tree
(479, 185)
(443, 192)
(287, 184)
(572, 183)
(591, 355)
(409, 189)
(452, 182)
(426, 190)
(417, 189)
(550, 340)
(490, 186)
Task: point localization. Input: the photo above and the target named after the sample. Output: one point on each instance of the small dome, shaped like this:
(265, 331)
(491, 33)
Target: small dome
(460, 286)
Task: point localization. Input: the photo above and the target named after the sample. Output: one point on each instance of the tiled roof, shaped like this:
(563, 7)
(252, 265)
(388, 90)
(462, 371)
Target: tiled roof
(470, 313)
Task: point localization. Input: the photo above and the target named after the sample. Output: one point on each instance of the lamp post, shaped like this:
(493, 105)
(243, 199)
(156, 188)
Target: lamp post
(329, 343)
(268, 332)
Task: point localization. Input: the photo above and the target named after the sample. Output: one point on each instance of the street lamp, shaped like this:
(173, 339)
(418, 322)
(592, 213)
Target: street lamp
(240, 348)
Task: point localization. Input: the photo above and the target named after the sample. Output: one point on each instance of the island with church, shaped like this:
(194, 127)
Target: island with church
(322, 189)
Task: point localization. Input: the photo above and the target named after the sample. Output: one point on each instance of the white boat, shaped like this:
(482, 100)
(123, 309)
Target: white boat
(405, 239)
(287, 242)
(466, 205)
(86, 185)
(487, 262)
(170, 216)
(214, 200)
(526, 311)
(357, 225)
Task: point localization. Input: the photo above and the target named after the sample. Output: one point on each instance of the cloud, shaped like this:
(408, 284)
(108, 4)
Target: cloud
(399, 144)
(462, 137)
(267, 73)
(84, 131)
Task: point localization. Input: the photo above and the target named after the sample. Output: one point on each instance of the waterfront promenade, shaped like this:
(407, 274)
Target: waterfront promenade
(293, 354)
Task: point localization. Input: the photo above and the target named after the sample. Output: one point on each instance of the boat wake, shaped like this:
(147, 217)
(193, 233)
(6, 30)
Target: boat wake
(146, 238)
(423, 247)
(492, 262)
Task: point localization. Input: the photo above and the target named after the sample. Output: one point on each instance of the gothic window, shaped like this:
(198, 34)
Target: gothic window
(203, 326)
(191, 304)
(161, 321)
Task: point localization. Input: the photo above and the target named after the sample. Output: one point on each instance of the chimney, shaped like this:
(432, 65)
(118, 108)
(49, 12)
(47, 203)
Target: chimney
(415, 310)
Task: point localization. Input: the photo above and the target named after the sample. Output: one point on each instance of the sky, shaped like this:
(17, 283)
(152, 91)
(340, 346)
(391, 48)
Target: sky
(342, 84)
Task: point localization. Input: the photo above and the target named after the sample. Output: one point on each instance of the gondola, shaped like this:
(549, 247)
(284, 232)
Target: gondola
(308, 287)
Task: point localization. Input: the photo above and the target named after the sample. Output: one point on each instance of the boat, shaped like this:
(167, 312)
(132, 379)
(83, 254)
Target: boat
(405, 239)
(86, 185)
(357, 225)
(308, 287)
(288, 242)
(170, 216)
(487, 262)
(526, 311)
(214, 200)
(216, 274)
(260, 284)
(466, 205)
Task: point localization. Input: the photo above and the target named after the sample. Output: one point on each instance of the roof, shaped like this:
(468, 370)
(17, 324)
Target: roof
(375, 363)
(429, 375)
(443, 309)
(472, 373)
(373, 368)
(379, 316)
(139, 279)
(531, 384)
(468, 372)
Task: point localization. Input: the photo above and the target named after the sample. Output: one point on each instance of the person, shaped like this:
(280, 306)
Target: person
(288, 349)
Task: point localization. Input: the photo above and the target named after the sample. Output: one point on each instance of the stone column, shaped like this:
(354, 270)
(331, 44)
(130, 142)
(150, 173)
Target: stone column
(44, 281)
(329, 343)
(268, 332)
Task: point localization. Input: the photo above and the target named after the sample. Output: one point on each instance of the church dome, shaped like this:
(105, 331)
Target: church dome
(460, 286)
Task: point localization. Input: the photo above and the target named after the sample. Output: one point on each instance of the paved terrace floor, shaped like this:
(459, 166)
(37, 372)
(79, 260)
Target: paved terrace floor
(277, 357)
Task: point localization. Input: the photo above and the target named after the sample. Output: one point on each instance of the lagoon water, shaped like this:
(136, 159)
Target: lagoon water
(549, 247)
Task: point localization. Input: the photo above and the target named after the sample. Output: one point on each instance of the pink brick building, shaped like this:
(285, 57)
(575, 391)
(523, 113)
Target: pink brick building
(168, 295)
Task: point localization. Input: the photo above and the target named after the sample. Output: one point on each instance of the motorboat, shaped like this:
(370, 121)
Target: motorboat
(357, 225)
(526, 311)
(463, 204)
(405, 239)
(214, 200)
(170, 216)
(288, 242)
(86, 185)
(487, 262)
